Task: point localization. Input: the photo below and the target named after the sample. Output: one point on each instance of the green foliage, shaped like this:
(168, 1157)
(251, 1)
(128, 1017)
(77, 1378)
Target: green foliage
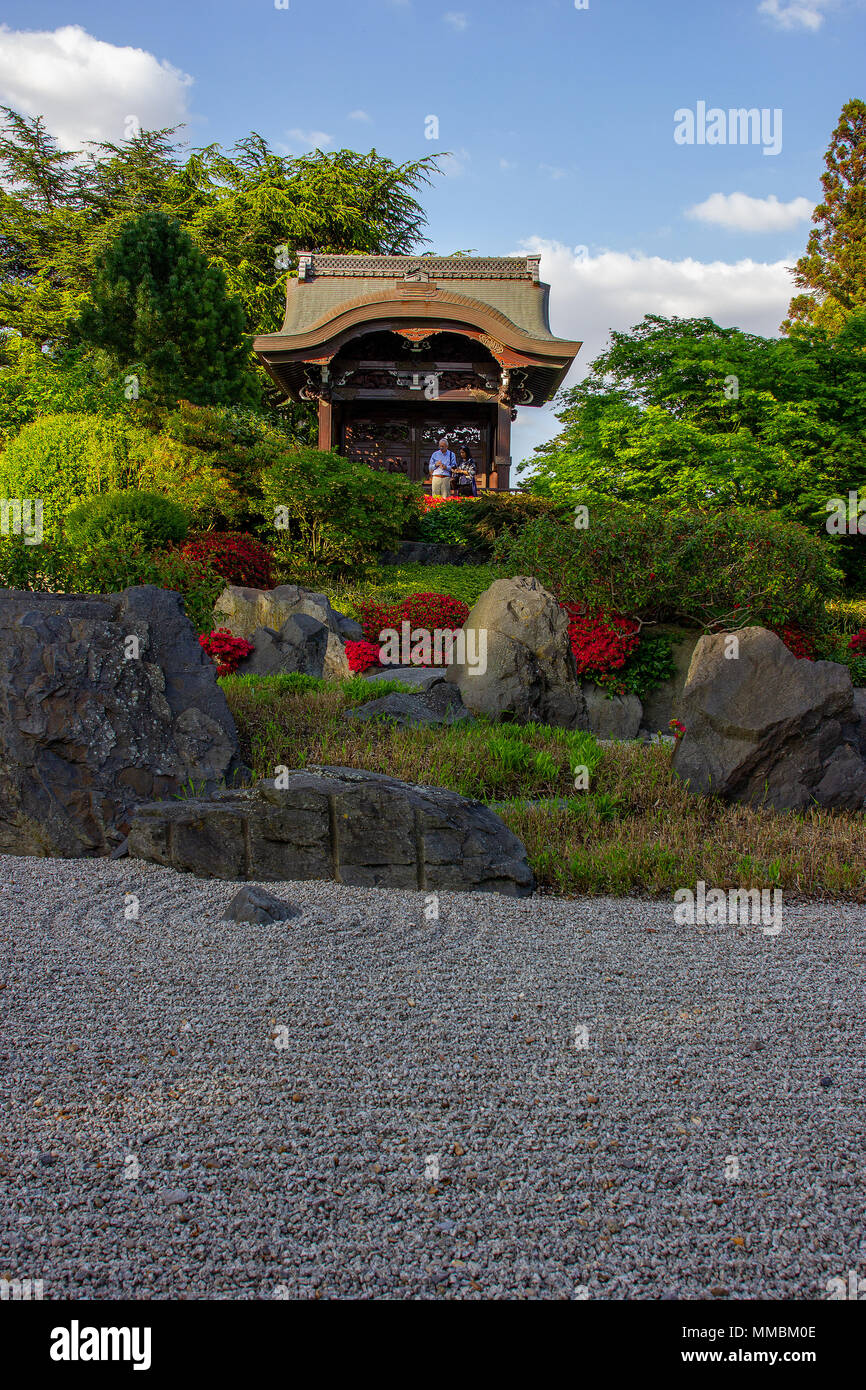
(332, 511)
(65, 458)
(480, 521)
(34, 383)
(247, 209)
(833, 270)
(105, 567)
(126, 518)
(719, 569)
(156, 304)
(444, 524)
(355, 691)
(648, 667)
(690, 414)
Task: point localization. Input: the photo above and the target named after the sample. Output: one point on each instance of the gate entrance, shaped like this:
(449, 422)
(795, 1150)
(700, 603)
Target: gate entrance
(401, 441)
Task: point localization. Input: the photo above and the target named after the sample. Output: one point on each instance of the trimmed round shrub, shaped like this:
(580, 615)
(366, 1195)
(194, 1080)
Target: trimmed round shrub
(143, 518)
(62, 459)
(323, 509)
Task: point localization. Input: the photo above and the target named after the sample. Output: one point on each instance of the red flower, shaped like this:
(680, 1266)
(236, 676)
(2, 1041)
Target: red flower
(858, 643)
(601, 642)
(225, 649)
(236, 557)
(362, 655)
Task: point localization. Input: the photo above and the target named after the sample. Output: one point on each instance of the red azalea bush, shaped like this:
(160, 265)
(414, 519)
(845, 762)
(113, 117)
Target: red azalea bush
(797, 642)
(225, 649)
(237, 557)
(601, 642)
(428, 611)
(361, 656)
(857, 645)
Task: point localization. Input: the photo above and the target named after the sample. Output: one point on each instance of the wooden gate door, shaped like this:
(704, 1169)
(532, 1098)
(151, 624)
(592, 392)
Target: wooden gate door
(401, 441)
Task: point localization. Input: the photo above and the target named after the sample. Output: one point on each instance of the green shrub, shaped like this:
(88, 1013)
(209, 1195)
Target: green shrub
(331, 511)
(648, 667)
(717, 569)
(65, 458)
(127, 518)
(105, 568)
(479, 522)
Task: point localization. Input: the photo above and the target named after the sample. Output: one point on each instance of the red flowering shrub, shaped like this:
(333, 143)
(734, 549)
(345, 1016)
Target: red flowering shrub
(797, 642)
(361, 656)
(227, 651)
(427, 501)
(237, 557)
(857, 645)
(677, 728)
(428, 611)
(601, 642)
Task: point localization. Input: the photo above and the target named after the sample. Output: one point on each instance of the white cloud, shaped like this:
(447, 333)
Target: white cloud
(742, 213)
(302, 141)
(359, 115)
(553, 171)
(591, 295)
(457, 19)
(795, 14)
(87, 89)
(507, 164)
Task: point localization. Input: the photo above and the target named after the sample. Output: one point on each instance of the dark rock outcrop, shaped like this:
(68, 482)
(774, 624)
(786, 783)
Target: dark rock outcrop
(437, 703)
(767, 729)
(105, 701)
(337, 823)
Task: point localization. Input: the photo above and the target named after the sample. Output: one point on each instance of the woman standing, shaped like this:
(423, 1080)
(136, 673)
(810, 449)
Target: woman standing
(464, 476)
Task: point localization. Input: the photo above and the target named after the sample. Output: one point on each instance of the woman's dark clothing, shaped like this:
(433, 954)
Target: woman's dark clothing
(465, 478)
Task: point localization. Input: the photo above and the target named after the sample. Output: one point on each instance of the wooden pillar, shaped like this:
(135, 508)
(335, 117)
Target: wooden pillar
(326, 424)
(502, 452)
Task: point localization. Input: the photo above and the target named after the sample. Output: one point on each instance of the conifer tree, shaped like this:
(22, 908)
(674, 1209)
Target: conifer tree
(157, 306)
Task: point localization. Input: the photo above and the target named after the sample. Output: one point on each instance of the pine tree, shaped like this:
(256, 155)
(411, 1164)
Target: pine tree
(833, 269)
(157, 306)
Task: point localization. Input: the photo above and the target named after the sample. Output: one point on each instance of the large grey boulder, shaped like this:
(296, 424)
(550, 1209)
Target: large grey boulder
(300, 645)
(105, 701)
(767, 729)
(611, 716)
(437, 703)
(530, 675)
(243, 611)
(337, 823)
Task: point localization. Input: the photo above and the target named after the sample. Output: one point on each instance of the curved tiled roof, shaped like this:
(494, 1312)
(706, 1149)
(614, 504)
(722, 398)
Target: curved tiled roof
(327, 286)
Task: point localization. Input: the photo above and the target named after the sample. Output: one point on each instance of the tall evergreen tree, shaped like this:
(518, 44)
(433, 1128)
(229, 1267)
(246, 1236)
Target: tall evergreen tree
(157, 305)
(833, 270)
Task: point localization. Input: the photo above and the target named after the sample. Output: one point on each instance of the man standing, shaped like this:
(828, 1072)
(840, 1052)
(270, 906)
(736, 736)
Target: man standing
(441, 464)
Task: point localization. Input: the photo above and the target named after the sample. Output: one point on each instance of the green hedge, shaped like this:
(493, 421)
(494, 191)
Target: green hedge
(717, 569)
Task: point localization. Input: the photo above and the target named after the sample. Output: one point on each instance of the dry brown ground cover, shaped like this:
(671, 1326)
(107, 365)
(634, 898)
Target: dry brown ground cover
(636, 830)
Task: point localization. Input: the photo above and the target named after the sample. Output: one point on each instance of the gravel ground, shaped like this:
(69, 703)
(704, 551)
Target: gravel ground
(531, 1099)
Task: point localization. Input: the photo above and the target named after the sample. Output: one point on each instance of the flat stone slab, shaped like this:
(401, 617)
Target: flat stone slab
(410, 675)
(337, 823)
(436, 703)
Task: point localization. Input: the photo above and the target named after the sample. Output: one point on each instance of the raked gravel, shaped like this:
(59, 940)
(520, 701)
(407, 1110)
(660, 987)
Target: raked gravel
(530, 1099)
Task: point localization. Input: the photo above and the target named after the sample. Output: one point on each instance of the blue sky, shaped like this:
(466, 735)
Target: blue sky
(560, 122)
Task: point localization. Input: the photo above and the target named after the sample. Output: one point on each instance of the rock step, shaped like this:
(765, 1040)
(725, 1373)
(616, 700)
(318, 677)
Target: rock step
(360, 828)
